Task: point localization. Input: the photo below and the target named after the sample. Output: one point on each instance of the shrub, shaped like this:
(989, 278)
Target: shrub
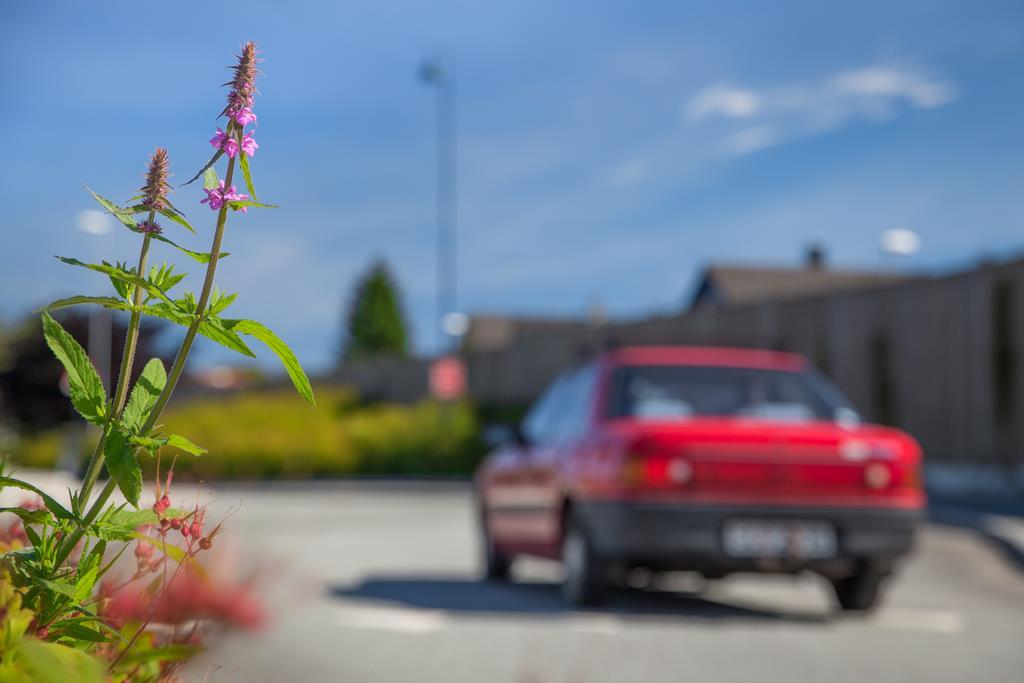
(274, 434)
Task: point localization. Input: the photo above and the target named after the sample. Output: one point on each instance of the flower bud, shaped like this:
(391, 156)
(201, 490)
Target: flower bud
(176, 523)
(243, 87)
(206, 543)
(156, 187)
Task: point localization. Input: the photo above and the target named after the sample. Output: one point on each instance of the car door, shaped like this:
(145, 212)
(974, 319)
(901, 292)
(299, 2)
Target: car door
(546, 464)
(515, 512)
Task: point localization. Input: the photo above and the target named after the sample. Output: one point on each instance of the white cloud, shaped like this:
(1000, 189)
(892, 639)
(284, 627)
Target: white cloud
(890, 83)
(751, 140)
(777, 114)
(94, 222)
(722, 100)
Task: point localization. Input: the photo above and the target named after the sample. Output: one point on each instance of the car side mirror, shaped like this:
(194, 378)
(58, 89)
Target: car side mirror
(502, 436)
(846, 417)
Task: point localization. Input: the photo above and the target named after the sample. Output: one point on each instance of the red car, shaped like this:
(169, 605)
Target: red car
(710, 460)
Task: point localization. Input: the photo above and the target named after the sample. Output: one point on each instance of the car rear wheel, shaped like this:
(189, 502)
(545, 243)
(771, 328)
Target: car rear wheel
(861, 591)
(584, 581)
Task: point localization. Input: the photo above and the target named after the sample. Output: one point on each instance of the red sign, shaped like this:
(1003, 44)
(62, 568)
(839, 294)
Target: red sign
(447, 378)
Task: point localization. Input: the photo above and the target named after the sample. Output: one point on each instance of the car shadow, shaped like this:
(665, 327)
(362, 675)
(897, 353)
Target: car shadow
(474, 597)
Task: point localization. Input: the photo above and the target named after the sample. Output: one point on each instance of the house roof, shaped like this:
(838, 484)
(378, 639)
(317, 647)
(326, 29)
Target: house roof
(491, 332)
(738, 284)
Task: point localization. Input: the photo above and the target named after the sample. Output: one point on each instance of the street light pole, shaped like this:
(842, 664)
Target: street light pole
(439, 72)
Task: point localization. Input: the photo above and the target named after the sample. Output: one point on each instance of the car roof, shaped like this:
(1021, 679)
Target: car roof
(717, 356)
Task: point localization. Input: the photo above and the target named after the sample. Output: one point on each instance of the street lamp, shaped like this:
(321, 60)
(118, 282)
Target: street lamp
(899, 243)
(438, 72)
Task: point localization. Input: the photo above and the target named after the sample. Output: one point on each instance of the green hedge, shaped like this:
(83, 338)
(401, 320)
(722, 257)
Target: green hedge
(276, 434)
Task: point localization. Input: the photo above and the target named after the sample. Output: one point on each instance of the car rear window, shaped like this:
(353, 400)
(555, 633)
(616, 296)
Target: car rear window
(675, 392)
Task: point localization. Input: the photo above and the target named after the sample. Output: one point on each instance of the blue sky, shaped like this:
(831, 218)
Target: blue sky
(606, 150)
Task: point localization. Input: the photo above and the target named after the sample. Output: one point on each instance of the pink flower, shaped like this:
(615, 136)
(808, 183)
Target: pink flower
(148, 227)
(217, 141)
(249, 145)
(231, 147)
(243, 116)
(187, 597)
(225, 142)
(219, 195)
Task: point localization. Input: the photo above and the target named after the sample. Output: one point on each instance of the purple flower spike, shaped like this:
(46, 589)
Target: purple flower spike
(230, 147)
(148, 227)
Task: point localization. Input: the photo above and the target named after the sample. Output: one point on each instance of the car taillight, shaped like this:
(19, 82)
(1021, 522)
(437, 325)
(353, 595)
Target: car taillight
(877, 475)
(656, 470)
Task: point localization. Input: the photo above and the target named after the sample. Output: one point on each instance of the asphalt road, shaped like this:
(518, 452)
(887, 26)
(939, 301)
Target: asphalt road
(377, 582)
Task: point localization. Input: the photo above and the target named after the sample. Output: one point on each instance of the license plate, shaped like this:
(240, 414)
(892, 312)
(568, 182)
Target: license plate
(779, 539)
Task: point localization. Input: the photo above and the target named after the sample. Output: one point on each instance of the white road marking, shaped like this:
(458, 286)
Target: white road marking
(393, 619)
(932, 621)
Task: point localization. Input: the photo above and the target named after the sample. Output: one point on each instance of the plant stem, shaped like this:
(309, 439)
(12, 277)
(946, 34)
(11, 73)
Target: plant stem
(124, 377)
(204, 298)
(172, 377)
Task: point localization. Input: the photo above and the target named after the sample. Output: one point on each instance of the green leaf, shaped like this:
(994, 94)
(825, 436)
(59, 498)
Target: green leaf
(164, 277)
(178, 441)
(209, 164)
(210, 179)
(29, 516)
(88, 572)
(244, 163)
(87, 392)
(105, 301)
(121, 274)
(177, 218)
(211, 328)
(123, 465)
(57, 663)
(33, 537)
(200, 256)
(62, 587)
(145, 393)
(220, 301)
(58, 510)
(151, 444)
(77, 632)
(217, 330)
(121, 524)
(120, 213)
(285, 354)
(245, 203)
(168, 653)
(124, 290)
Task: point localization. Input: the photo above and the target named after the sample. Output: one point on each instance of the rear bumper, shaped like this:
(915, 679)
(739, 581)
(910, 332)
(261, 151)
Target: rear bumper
(689, 536)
